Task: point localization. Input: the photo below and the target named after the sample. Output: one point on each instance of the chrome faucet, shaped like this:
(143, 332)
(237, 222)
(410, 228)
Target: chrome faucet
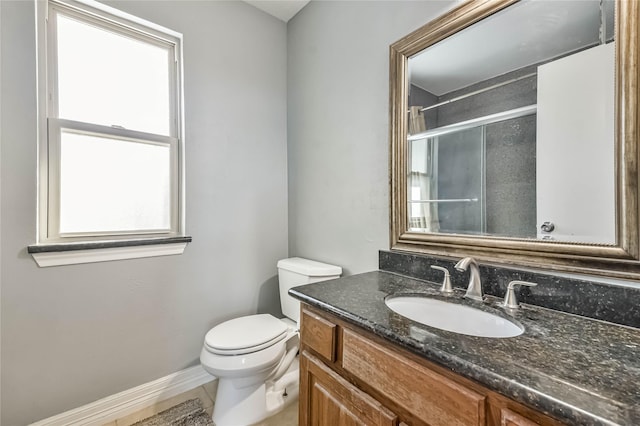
(474, 290)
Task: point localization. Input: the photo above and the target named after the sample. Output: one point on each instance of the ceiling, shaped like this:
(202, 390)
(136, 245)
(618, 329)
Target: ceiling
(283, 10)
(527, 33)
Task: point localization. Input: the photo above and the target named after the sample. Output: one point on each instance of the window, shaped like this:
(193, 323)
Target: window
(111, 143)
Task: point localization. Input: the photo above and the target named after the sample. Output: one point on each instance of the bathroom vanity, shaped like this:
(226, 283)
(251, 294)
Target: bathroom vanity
(362, 363)
(419, 391)
(577, 361)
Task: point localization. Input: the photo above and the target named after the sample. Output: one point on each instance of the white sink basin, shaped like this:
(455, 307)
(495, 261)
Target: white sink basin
(452, 317)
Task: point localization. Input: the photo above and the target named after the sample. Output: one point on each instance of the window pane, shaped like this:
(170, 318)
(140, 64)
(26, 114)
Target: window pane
(113, 185)
(109, 79)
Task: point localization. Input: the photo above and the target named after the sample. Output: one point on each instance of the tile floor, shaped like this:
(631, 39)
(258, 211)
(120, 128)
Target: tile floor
(207, 394)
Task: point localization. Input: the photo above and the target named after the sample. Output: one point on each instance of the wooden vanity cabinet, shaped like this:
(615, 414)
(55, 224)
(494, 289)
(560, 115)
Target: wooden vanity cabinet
(334, 401)
(350, 377)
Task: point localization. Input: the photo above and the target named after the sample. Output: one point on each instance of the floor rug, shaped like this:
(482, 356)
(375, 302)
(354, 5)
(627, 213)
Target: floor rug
(188, 413)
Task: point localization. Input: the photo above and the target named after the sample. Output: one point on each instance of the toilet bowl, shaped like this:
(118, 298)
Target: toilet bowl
(255, 357)
(249, 355)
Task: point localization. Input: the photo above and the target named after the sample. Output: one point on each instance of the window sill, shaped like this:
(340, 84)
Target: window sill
(47, 255)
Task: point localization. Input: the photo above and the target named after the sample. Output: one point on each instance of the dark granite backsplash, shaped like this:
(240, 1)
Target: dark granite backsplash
(607, 302)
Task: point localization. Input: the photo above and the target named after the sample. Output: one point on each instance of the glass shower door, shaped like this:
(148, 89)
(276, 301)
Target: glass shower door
(446, 183)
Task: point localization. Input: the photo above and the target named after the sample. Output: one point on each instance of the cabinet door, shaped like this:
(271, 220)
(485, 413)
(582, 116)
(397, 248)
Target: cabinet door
(326, 399)
(509, 418)
(575, 157)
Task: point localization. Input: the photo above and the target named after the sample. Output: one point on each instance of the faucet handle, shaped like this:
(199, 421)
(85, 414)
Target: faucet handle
(510, 300)
(446, 282)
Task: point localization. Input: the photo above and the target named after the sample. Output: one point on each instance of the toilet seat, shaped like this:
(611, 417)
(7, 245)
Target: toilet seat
(247, 365)
(244, 335)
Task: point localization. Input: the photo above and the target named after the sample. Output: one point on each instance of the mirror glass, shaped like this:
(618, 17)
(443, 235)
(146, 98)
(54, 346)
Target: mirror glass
(511, 126)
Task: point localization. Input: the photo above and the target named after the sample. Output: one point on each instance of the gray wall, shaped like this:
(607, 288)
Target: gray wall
(338, 126)
(511, 177)
(74, 334)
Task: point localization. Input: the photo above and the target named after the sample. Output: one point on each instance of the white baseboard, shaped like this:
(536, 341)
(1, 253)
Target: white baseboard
(124, 403)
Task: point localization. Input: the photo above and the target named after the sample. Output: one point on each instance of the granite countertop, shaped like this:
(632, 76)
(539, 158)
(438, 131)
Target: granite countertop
(576, 369)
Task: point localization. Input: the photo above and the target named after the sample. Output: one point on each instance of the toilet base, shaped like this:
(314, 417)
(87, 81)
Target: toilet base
(244, 406)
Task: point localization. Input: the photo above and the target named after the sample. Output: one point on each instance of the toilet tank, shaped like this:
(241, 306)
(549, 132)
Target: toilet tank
(298, 271)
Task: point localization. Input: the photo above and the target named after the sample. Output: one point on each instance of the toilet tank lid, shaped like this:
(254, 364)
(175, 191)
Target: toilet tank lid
(308, 267)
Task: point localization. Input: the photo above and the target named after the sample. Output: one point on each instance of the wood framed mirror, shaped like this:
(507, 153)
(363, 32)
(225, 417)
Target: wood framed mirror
(517, 144)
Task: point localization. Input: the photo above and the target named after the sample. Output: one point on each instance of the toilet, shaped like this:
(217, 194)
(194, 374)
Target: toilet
(255, 357)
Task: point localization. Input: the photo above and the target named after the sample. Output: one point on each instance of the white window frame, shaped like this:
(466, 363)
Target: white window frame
(49, 237)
